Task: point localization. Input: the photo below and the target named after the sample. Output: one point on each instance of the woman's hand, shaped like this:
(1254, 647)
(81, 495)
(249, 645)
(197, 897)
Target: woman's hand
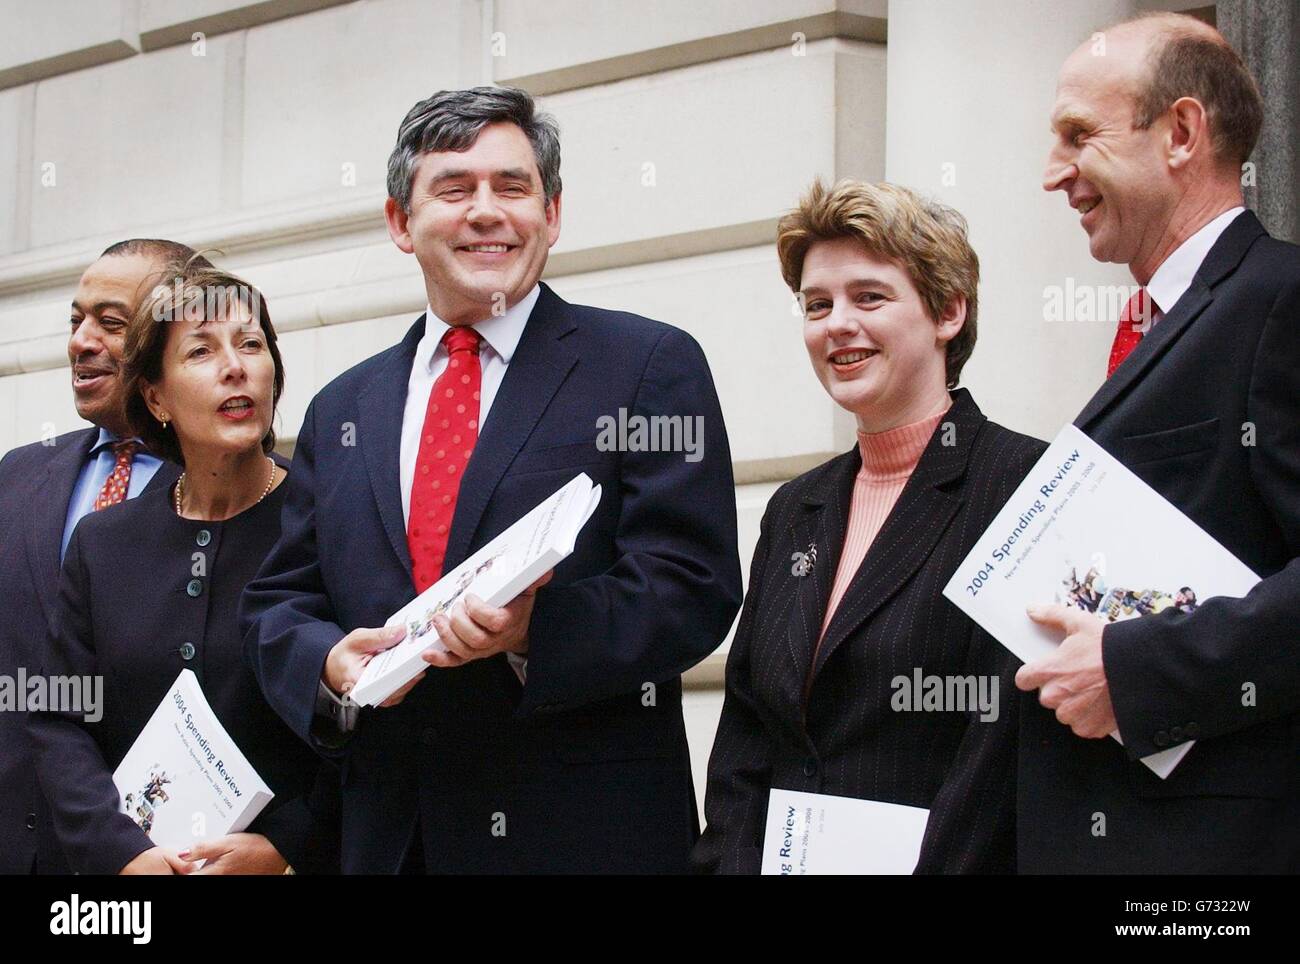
(237, 853)
(158, 860)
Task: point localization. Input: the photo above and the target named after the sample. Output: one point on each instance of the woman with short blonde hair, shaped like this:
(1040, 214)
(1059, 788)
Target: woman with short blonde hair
(845, 592)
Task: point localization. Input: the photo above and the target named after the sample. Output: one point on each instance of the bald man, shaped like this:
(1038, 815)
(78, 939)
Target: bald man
(1201, 399)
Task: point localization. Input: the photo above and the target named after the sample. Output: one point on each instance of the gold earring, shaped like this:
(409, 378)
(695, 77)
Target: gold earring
(162, 417)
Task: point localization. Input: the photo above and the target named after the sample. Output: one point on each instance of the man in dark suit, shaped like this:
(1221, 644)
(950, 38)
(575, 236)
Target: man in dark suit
(45, 489)
(1203, 404)
(549, 736)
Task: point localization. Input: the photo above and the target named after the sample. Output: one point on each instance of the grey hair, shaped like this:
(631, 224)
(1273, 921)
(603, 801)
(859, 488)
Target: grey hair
(451, 120)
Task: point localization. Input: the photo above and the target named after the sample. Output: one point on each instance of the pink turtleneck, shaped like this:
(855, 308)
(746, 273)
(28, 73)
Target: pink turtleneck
(888, 459)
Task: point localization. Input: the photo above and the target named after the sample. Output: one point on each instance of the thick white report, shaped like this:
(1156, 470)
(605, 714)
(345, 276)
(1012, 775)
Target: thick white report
(497, 573)
(184, 780)
(809, 834)
(1084, 531)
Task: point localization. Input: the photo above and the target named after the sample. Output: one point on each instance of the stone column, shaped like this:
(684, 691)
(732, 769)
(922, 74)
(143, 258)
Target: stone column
(1267, 35)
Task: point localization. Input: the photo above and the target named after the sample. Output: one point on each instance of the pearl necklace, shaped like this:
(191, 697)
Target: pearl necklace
(265, 492)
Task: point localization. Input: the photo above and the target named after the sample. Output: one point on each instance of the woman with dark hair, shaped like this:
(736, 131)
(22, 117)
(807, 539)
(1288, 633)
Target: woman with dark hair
(845, 592)
(150, 587)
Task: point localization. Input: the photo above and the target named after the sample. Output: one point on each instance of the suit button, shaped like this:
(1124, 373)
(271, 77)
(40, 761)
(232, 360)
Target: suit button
(204, 537)
(1161, 738)
(31, 821)
(1192, 731)
(1175, 734)
(810, 768)
(187, 651)
(428, 737)
(194, 588)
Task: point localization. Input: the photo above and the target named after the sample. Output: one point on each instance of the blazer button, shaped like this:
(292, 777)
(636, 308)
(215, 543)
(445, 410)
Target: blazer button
(204, 537)
(187, 651)
(1192, 731)
(31, 821)
(810, 768)
(1161, 738)
(194, 588)
(428, 737)
(1175, 734)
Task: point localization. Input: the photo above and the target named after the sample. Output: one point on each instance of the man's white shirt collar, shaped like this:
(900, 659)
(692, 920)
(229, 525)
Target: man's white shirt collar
(1174, 276)
(500, 332)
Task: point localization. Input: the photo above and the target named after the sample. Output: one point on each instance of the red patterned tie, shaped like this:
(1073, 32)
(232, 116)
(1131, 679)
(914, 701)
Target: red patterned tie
(1134, 320)
(119, 480)
(446, 443)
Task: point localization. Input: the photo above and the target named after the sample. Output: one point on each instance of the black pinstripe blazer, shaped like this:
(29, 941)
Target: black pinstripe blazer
(892, 620)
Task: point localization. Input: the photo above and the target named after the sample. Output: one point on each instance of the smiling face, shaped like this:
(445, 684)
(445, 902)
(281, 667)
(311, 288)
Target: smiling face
(479, 224)
(1115, 176)
(107, 295)
(217, 385)
(873, 345)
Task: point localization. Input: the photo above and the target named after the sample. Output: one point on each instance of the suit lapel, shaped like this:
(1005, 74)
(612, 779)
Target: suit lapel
(380, 408)
(1223, 258)
(820, 525)
(50, 511)
(913, 527)
(539, 366)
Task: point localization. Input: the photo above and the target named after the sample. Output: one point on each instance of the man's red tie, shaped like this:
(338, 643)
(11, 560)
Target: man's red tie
(119, 480)
(1133, 322)
(446, 443)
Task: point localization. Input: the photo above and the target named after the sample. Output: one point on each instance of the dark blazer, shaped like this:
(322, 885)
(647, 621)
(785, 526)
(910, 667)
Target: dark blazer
(586, 767)
(892, 620)
(36, 483)
(133, 609)
(1206, 410)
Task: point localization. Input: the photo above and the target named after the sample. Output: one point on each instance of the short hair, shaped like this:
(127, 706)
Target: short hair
(1189, 59)
(192, 278)
(158, 248)
(926, 238)
(451, 120)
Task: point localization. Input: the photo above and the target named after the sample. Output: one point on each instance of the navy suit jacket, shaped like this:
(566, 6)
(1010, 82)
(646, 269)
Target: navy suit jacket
(1206, 410)
(36, 483)
(586, 767)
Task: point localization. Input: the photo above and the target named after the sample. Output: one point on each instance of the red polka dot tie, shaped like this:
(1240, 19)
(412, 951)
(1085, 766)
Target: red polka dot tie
(1134, 320)
(446, 443)
(119, 480)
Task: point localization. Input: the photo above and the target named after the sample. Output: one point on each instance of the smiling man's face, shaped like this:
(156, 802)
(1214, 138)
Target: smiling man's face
(107, 296)
(1113, 174)
(479, 224)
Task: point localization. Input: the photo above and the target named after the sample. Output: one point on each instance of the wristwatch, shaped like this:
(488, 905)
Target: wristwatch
(342, 710)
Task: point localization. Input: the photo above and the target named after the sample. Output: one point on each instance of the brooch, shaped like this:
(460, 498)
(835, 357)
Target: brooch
(804, 561)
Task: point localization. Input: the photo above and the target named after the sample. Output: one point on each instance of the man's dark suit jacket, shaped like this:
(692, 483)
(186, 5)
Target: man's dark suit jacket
(893, 619)
(36, 483)
(1206, 410)
(585, 768)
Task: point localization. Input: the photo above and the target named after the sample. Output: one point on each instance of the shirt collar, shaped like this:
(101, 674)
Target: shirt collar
(500, 332)
(107, 438)
(1174, 276)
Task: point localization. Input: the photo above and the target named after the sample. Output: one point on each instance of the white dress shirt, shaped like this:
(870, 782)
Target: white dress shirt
(501, 336)
(1174, 276)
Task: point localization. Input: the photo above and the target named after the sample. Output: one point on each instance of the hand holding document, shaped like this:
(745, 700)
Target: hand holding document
(184, 780)
(1084, 531)
(497, 573)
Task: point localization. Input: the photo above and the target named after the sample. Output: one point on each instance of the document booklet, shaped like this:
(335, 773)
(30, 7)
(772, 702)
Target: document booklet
(1084, 531)
(497, 573)
(184, 780)
(815, 833)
